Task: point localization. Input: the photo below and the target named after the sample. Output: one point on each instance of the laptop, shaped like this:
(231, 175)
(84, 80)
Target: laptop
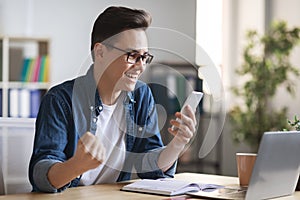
(275, 173)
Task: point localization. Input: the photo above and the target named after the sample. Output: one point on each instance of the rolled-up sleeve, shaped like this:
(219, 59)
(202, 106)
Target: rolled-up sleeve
(150, 165)
(54, 141)
(40, 172)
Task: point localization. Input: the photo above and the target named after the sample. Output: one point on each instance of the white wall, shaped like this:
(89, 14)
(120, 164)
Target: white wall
(240, 17)
(69, 22)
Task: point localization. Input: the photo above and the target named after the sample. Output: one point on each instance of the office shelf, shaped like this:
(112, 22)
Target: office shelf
(171, 83)
(24, 75)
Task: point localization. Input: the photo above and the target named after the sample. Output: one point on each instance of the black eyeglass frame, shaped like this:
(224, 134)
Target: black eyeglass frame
(146, 58)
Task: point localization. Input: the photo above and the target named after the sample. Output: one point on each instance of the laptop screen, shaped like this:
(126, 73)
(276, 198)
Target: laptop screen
(276, 169)
(2, 186)
(275, 172)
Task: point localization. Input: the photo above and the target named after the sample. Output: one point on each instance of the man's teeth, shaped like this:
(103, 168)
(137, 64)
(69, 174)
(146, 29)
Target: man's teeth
(135, 76)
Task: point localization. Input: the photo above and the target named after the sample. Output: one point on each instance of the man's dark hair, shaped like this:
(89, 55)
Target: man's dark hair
(117, 19)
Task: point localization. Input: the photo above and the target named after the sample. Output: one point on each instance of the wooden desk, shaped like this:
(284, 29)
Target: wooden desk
(112, 191)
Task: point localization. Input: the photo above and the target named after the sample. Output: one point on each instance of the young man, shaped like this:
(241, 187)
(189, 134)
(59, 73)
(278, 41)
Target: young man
(98, 127)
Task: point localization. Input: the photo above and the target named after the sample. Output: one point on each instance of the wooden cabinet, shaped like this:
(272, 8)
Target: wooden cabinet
(16, 144)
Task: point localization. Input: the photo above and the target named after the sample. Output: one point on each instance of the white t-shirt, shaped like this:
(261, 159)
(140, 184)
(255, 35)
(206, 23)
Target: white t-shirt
(111, 132)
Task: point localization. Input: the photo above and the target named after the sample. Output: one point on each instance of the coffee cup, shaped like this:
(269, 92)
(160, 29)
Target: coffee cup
(245, 163)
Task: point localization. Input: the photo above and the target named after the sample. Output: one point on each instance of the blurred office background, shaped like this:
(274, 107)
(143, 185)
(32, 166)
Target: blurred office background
(217, 26)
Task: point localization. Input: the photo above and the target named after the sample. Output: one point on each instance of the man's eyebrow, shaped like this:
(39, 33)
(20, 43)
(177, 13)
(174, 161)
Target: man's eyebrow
(136, 51)
(133, 50)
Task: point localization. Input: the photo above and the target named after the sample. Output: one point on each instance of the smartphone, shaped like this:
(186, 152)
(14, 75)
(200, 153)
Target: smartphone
(193, 100)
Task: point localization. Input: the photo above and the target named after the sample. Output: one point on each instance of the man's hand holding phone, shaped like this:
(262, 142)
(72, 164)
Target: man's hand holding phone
(183, 127)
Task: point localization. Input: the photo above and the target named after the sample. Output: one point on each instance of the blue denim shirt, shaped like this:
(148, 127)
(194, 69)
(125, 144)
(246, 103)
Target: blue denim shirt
(70, 109)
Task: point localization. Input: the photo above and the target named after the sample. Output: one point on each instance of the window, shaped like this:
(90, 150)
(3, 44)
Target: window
(209, 30)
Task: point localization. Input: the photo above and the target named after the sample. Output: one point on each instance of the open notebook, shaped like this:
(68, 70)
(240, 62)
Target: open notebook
(168, 186)
(275, 172)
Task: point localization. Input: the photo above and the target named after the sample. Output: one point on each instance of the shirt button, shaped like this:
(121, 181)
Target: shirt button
(94, 119)
(100, 108)
(140, 129)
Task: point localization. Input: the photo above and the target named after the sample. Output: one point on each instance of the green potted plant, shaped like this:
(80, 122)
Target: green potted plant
(266, 66)
(295, 124)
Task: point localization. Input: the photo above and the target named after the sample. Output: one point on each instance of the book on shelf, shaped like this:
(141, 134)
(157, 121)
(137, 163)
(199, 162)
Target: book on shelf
(15, 63)
(35, 69)
(25, 69)
(44, 70)
(169, 187)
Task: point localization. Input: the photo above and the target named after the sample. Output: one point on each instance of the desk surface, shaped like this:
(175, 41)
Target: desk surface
(112, 191)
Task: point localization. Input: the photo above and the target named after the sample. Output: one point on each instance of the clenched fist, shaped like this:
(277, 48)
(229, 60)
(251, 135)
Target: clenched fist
(90, 152)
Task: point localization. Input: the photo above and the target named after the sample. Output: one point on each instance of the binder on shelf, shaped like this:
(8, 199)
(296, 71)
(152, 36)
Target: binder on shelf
(24, 103)
(13, 105)
(35, 101)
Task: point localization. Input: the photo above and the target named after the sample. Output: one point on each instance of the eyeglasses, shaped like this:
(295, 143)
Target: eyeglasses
(134, 57)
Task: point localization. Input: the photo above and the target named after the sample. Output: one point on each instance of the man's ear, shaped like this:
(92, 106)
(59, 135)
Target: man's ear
(98, 50)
